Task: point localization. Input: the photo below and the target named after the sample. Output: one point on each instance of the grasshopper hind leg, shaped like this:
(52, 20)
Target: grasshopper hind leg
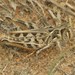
(55, 40)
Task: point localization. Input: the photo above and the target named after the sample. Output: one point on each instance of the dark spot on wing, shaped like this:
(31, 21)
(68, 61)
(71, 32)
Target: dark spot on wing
(17, 35)
(25, 34)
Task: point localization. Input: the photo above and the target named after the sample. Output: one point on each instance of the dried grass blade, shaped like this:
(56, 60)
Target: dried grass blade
(64, 9)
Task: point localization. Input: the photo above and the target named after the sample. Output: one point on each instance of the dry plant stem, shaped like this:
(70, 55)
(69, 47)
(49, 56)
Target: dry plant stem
(40, 16)
(39, 6)
(70, 20)
(26, 5)
(59, 17)
(5, 68)
(51, 13)
(62, 71)
(70, 6)
(59, 58)
(31, 1)
(33, 53)
(38, 13)
(5, 9)
(64, 9)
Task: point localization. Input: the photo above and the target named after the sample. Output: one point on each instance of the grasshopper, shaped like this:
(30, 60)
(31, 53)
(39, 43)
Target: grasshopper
(39, 39)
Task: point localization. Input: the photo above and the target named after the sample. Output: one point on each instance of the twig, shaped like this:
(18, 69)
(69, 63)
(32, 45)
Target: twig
(66, 10)
(51, 13)
(56, 65)
(34, 52)
(70, 6)
(39, 5)
(40, 15)
(59, 17)
(70, 21)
